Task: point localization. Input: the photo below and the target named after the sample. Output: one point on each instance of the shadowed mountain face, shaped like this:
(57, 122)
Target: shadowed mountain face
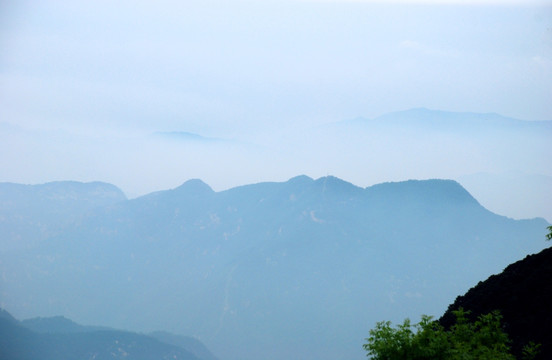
(523, 294)
(300, 269)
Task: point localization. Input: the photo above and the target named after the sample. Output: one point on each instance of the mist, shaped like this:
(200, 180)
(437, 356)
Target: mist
(82, 87)
(344, 153)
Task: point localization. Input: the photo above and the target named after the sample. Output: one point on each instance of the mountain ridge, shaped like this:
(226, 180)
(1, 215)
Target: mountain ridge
(269, 270)
(470, 124)
(60, 338)
(432, 115)
(33, 213)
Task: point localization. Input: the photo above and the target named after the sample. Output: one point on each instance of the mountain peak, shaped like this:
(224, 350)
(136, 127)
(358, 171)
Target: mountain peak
(195, 186)
(332, 183)
(428, 189)
(300, 179)
(6, 315)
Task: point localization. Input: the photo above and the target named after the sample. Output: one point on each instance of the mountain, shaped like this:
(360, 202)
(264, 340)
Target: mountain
(186, 342)
(426, 143)
(32, 213)
(58, 325)
(295, 269)
(415, 143)
(522, 293)
(62, 325)
(529, 195)
(438, 120)
(19, 343)
(60, 338)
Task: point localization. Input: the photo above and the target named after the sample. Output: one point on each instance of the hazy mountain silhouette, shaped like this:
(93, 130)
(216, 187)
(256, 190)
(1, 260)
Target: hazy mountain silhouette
(98, 340)
(298, 269)
(60, 338)
(437, 120)
(523, 294)
(31, 213)
(58, 325)
(192, 345)
(424, 129)
(528, 194)
(428, 143)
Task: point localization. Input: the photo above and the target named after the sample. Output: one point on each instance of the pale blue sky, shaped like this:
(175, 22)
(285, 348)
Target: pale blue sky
(82, 82)
(220, 65)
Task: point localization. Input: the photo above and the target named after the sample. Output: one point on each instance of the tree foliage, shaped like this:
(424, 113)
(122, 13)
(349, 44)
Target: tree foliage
(483, 339)
(549, 235)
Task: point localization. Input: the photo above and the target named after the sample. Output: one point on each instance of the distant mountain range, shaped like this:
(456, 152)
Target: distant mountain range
(295, 269)
(438, 120)
(415, 143)
(59, 338)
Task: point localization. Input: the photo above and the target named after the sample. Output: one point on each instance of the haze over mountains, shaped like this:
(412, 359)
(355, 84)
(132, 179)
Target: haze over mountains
(487, 153)
(129, 99)
(274, 270)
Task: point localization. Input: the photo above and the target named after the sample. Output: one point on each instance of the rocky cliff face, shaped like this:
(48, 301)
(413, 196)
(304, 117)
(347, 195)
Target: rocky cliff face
(523, 295)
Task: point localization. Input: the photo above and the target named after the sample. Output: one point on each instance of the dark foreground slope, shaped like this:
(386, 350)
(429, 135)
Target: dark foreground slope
(59, 338)
(523, 295)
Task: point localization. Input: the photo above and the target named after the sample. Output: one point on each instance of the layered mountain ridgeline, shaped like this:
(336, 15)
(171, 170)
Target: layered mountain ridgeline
(487, 135)
(299, 269)
(419, 141)
(60, 338)
(62, 325)
(523, 294)
(437, 120)
(31, 213)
